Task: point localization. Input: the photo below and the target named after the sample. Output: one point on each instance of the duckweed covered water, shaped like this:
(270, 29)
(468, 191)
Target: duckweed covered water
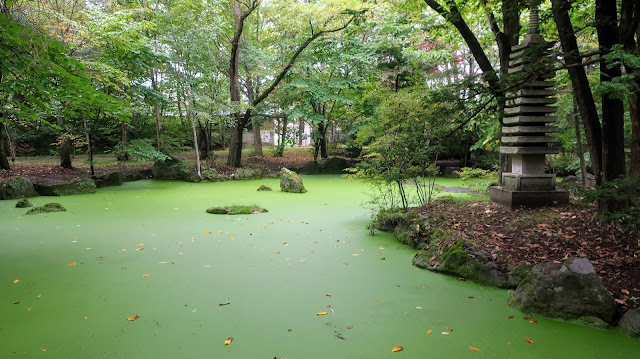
(149, 248)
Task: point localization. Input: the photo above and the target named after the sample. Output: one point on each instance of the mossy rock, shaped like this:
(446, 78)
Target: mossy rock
(24, 203)
(247, 174)
(47, 208)
(264, 188)
(111, 179)
(233, 210)
(291, 182)
(630, 323)
(408, 228)
(455, 260)
(170, 169)
(82, 186)
(571, 290)
(16, 187)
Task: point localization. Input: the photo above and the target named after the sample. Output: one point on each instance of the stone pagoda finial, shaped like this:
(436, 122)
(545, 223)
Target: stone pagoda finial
(534, 18)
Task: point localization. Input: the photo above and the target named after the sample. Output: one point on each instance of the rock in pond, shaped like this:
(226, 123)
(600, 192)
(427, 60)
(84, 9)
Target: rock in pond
(571, 290)
(291, 182)
(16, 187)
(49, 207)
(24, 203)
(263, 188)
(247, 174)
(81, 186)
(110, 179)
(231, 210)
(630, 323)
(457, 261)
(170, 169)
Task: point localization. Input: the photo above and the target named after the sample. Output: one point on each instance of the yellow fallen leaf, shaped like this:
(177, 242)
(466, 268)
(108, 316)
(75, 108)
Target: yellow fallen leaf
(474, 349)
(346, 263)
(321, 313)
(277, 252)
(219, 232)
(285, 243)
(71, 264)
(207, 232)
(529, 340)
(286, 259)
(145, 275)
(229, 237)
(132, 319)
(140, 245)
(314, 241)
(397, 348)
(353, 229)
(380, 247)
(176, 208)
(624, 291)
(429, 331)
(355, 254)
(123, 250)
(228, 341)
(16, 281)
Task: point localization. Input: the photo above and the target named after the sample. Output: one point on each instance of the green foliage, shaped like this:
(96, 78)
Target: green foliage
(142, 149)
(623, 190)
(478, 178)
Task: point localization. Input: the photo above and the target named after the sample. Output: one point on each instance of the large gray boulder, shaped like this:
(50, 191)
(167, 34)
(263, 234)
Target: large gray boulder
(291, 182)
(571, 290)
(81, 186)
(630, 323)
(170, 169)
(16, 187)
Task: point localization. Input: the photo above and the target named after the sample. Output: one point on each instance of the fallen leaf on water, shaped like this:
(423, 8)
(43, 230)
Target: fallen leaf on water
(153, 335)
(332, 312)
(132, 318)
(349, 328)
(327, 294)
(145, 275)
(533, 321)
(123, 250)
(474, 349)
(207, 232)
(527, 318)
(624, 291)
(461, 279)
(16, 281)
(355, 254)
(383, 258)
(229, 238)
(445, 333)
(470, 297)
(322, 313)
(509, 317)
(429, 331)
(140, 245)
(289, 330)
(352, 229)
(450, 329)
(346, 263)
(228, 341)
(314, 241)
(16, 302)
(286, 259)
(380, 247)
(285, 243)
(277, 252)
(529, 340)
(225, 303)
(219, 232)
(71, 264)
(397, 349)
(425, 286)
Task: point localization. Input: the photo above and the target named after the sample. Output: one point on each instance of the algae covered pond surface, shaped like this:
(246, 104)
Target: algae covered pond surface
(72, 283)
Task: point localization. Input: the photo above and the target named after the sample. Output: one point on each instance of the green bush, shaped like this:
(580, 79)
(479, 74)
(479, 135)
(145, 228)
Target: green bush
(478, 178)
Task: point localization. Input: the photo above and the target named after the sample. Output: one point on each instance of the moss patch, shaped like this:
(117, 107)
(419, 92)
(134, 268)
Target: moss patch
(24, 203)
(49, 207)
(263, 188)
(231, 210)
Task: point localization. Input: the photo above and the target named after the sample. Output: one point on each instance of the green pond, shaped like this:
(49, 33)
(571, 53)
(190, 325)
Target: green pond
(148, 248)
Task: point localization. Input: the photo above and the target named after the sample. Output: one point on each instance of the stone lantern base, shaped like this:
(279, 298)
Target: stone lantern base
(515, 199)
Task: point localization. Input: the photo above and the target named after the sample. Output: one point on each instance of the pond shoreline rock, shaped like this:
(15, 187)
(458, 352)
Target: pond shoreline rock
(630, 323)
(16, 187)
(47, 208)
(81, 186)
(571, 290)
(116, 178)
(291, 182)
(233, 210)
(170, 169)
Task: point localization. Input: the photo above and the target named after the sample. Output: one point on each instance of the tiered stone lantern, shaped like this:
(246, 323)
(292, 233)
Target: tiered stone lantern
(528, 128)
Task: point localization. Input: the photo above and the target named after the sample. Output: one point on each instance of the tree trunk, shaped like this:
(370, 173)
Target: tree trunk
(283, 136)
(124, 156)
(634, 107)
(300, 131)
(580, 149)
(4, 161)
(580, 85)
(613, 157)
(88, 136)
(66, 151)
(629, 32)
(195, 136)
(204, 145)
(255, 123)
(156, 109)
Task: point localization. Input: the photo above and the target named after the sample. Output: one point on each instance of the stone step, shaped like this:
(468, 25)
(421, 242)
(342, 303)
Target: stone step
(540, 150)
(527, 140)
(517, 120)
(515, 130)
(524, 110)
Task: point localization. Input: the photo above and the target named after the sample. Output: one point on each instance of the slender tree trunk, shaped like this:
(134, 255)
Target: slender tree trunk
(195, 136)
(300, 131)
(66, 151)
(203, 141)
(89, 138)
(255, 123)
(156, 110)
(580, 149)
(4, 161)
(629, 36)
(283, 136)
(634, 108)
(580, 85)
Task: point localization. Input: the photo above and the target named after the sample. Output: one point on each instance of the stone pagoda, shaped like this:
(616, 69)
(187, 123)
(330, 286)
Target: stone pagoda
(528, 127)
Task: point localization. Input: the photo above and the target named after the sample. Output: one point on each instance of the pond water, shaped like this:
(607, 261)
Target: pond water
(149, 248)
